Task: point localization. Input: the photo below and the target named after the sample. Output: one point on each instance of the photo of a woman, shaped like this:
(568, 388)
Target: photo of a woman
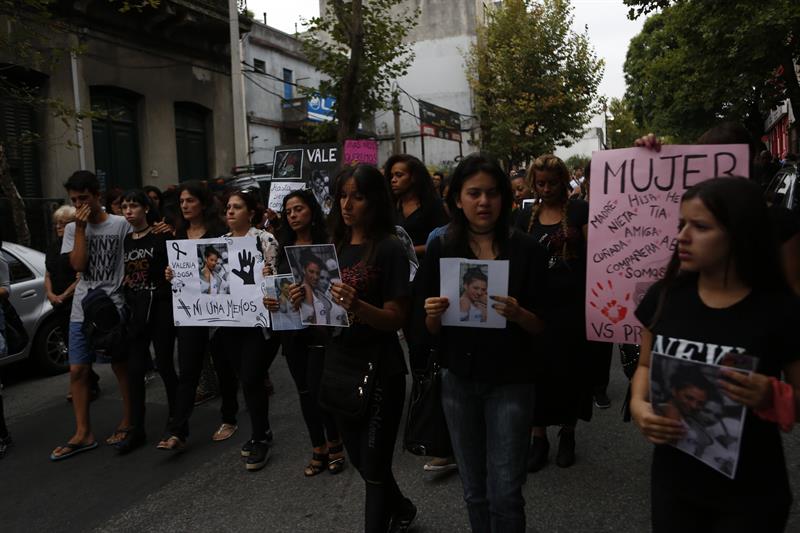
(213, 278)
(315, 268)
(475, 283)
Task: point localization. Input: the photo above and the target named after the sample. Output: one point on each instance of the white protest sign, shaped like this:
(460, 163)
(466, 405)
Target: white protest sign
(278, 191)
(215, 282)
(468, 284)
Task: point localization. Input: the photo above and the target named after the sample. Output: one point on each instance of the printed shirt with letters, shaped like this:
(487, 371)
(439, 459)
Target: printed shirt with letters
(145, 262)
(106, 266)
(760, 325)
(494, 356)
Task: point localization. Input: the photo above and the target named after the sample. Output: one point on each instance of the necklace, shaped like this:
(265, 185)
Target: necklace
(485, 232)
(141, 233)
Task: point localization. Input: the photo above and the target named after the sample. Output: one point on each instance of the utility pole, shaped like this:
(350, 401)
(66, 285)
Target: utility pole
(240, 141)
(396, 111)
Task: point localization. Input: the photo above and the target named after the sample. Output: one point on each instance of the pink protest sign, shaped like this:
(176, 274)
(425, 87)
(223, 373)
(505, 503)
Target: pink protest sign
(634, 209)
(360, 152)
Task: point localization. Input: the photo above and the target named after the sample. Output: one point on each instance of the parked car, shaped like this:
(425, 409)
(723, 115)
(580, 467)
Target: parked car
(47, 347)
(784, 189)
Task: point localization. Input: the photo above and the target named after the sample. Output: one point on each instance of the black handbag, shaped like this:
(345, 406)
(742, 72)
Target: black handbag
(103, 326)
(347, 385)
(426, 428)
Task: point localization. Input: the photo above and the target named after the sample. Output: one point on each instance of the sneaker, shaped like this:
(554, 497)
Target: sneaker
(440, 464)
(601, 400)
(224, 432)
(403, 517)
(258, 457)
(247, 448)
(5, 444)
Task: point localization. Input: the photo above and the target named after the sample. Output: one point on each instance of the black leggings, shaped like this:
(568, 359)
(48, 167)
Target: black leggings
(225, 370)
(250, 355)
(370, 445)
(306, 364)
(193, 342)
(155, 326)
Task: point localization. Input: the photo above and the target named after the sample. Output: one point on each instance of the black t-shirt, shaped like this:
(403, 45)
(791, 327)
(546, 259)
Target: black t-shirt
(382, 279)
(496, 356)
(421, 222)
(145, 262)
(566, 273)
(762, 325)
(57, 264)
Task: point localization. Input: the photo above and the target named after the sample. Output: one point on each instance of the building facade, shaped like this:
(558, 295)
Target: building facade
(160, 98)
(275, 71)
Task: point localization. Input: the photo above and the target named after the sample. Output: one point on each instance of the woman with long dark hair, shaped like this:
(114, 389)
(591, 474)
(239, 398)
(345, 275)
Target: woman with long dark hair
(564, 394)
(199, 220)
(304, 224)
(724, 292)
(249, 352)
(375, 292)
(148, 297)
(487, 384)
(419, 208)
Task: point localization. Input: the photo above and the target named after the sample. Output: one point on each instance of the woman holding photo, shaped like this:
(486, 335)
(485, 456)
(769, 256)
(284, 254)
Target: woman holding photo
(305, 349)
(375, 292)
(487, 384)
(724, 292)
(249, 351)
(199, 220)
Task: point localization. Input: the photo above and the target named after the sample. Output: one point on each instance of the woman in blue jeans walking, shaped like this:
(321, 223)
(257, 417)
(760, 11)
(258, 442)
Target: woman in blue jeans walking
(487, 387)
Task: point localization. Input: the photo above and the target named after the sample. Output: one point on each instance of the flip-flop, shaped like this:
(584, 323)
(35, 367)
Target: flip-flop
(74, 449)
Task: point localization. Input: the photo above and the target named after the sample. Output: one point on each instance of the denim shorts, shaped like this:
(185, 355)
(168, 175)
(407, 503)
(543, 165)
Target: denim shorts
(79, 352)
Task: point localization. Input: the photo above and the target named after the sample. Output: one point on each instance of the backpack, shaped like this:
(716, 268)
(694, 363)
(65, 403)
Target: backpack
(102, 326)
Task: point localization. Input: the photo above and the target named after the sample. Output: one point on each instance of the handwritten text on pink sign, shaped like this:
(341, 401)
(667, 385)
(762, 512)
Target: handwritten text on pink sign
(633, 223)
(361, 152)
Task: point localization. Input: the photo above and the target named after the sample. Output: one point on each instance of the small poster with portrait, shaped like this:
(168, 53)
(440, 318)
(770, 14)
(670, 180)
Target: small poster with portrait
(287, 318)
(688, 391)
(213, 282)
(469, 284)
(315, 268)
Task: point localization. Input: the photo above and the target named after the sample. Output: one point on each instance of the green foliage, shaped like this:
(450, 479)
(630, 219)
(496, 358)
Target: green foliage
(534, 79)
(623, 129)
(360, 55)
(699, 62)
(577, 161)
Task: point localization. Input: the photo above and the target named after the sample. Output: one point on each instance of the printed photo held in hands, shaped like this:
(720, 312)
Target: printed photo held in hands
(688, 391)
(472, 284)
(315, 268)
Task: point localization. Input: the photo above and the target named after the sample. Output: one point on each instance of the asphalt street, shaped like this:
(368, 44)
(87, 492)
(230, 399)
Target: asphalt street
(208, 489)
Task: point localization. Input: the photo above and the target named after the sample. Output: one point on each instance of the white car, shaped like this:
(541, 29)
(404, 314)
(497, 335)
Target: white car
(46, 348)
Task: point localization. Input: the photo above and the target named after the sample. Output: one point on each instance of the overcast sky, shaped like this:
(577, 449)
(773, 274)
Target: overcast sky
(609, 29)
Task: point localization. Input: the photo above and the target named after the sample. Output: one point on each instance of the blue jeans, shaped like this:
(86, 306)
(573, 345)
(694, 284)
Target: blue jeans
(490, 429)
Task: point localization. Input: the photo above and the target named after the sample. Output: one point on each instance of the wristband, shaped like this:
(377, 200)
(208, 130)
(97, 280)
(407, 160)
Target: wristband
(782, 410)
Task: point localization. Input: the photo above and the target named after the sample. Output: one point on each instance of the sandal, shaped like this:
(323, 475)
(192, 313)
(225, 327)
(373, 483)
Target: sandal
(118, 436)
(336, 462)
(317, 465)
(72, 448)
(172, 444)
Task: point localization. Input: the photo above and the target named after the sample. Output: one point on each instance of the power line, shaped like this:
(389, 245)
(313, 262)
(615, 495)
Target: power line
(254, 82)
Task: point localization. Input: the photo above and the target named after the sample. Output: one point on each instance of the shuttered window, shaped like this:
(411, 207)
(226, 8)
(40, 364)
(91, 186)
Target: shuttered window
(191, 141)
(115, 136)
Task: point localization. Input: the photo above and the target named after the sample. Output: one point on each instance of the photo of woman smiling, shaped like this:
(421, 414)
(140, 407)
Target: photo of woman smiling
(475, 283)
